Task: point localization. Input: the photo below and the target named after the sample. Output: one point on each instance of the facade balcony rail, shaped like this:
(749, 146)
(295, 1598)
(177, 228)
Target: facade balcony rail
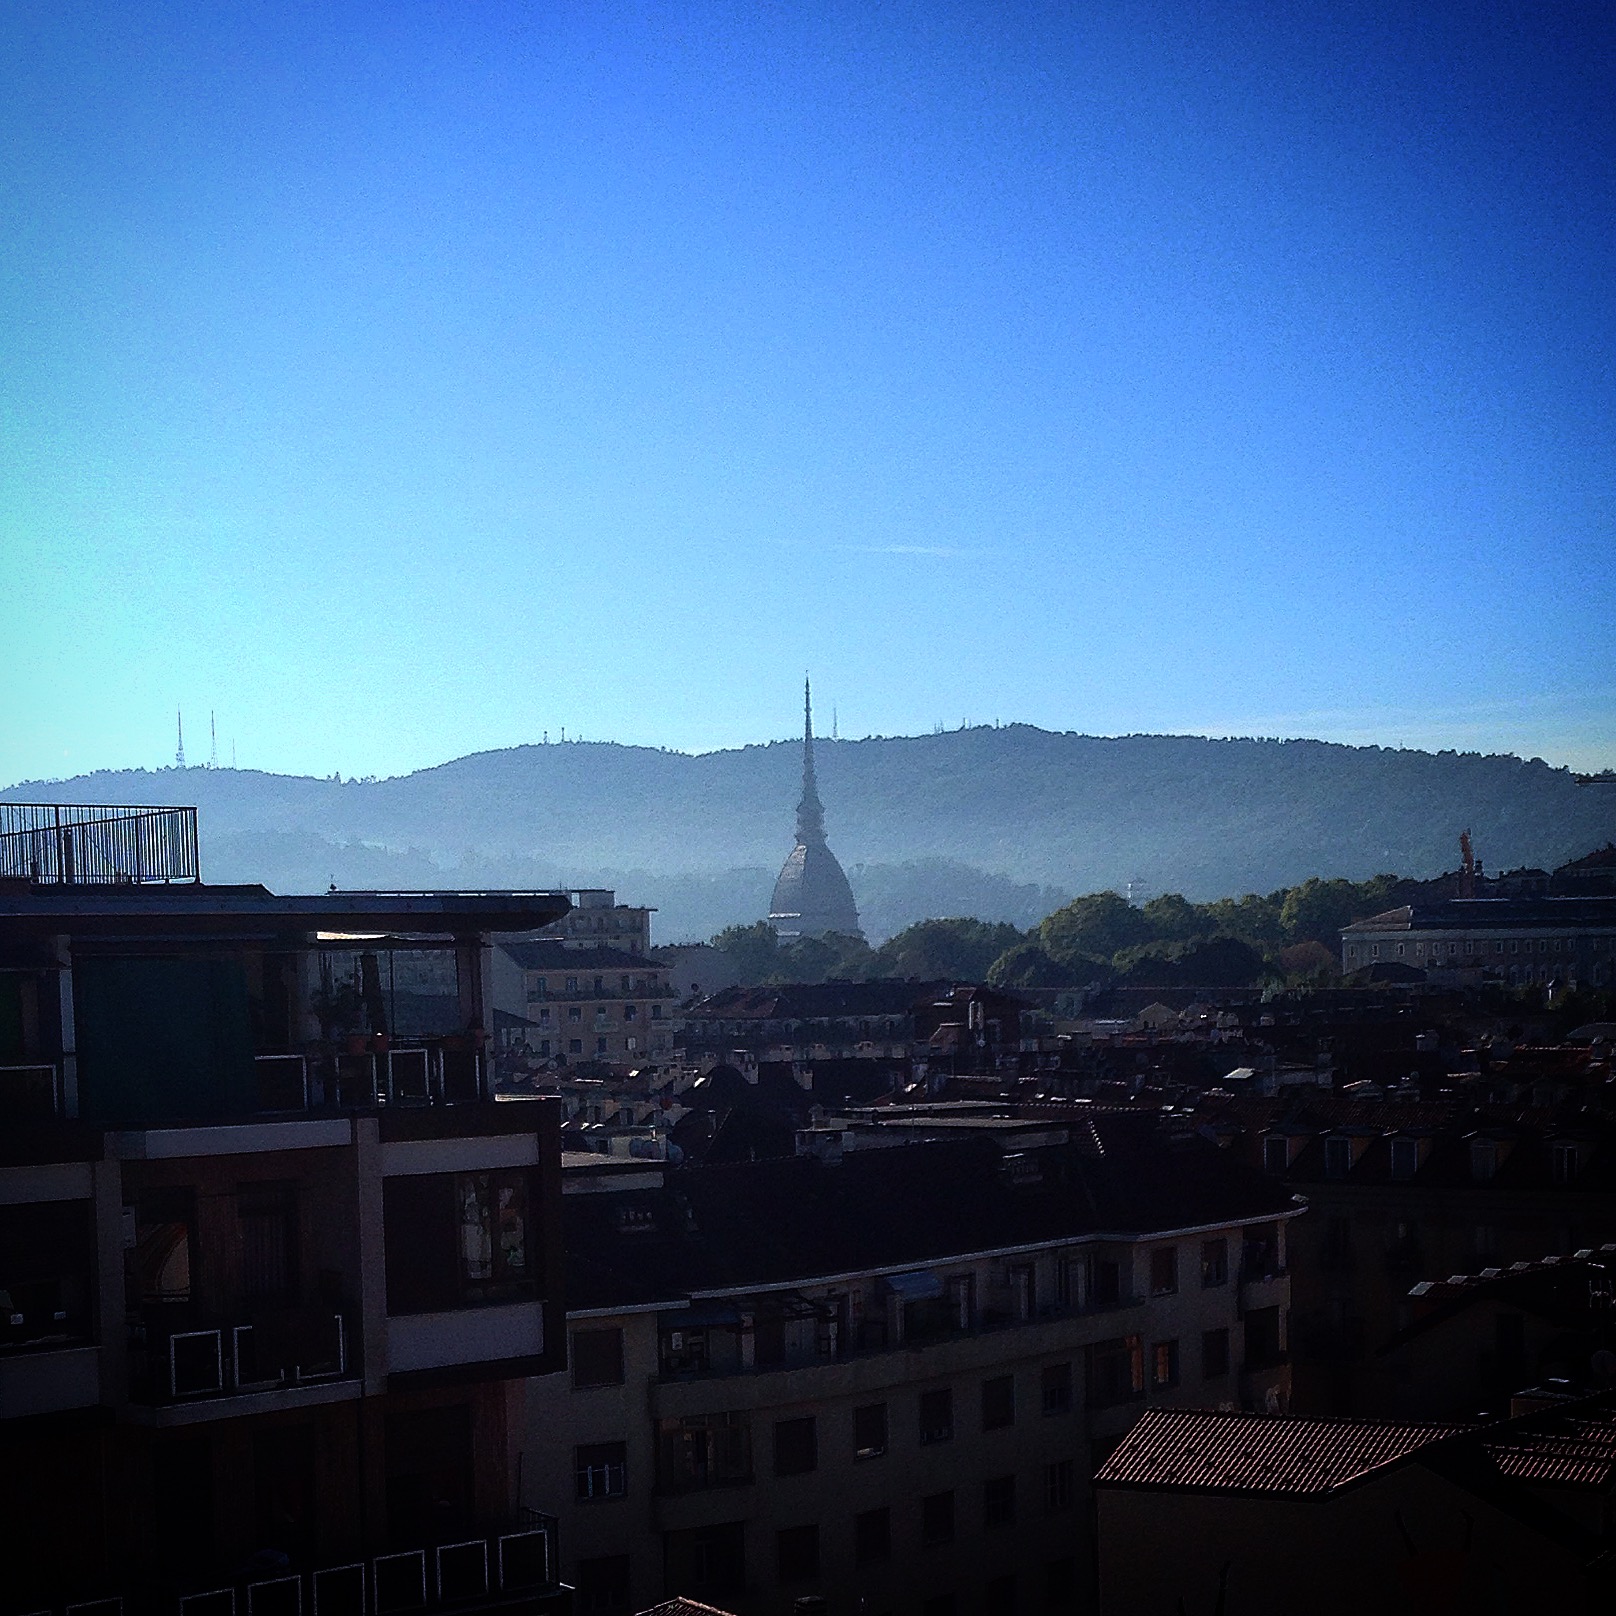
(186, 1359)
(509, 1566)
(714, 1352)
(31, 1092)
(85, 844)
(375, 1071)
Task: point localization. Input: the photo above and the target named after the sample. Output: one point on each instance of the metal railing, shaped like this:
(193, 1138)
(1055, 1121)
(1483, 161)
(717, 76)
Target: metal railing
(79, 844)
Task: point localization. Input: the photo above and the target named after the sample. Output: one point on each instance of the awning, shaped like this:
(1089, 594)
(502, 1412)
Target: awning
(919, 1285)
(701, 1316)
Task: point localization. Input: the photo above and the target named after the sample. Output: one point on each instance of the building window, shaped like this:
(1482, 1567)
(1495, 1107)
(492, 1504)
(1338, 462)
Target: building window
(575, 1012)
(1214, 1263)
(999, 1596)
(704, 1450)
(1405, 1158)
(796, 1446)
(1105, 1282)
(1214, 1354)
(1058, 1485)
(601, 1470)
(998, 1402)
(1164, 1271)
(1276, 1153)
(936, 1415)
(1060, 1583)
(1337, 1158)
(603, 1585)
(572, 984)
(575, 1046)
(1164, 1363)
(597, 1358)
(455, 1240)
(870, 1431)
(656, 1012)
(796, 1553)
(872, 1537)
(1483, 1159)
(1565, 1163)
(600, 1046)
(937, 1518)
(1023, 1288)
(544, 1015)
(1116, 1371)
(1056, 1385)
(999, 1502)
(706, 1561)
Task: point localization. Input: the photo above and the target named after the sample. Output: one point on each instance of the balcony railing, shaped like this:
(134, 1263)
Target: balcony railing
(31, 1092)
(68, 844)
(181, 1360)
(511, 1566)
(442, 1071)
(870, 1341)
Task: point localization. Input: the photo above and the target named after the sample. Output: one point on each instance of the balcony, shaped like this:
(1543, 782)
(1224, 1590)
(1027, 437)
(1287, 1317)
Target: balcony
(177, 1358)
(84, 844)
(511, 1566)
(711, 1348)
(370, 1072)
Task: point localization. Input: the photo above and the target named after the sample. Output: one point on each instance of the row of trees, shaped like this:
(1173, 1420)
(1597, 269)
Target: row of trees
(1291, 934)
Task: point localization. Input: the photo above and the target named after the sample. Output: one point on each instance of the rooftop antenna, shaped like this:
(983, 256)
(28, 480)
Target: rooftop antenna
(835, 731)
(232, 754)
(213, 749)
(179, 736)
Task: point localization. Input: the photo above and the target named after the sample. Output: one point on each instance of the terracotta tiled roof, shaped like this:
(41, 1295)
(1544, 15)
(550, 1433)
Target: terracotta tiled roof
(1202, 1450)
(683, 1607)
(1571, 1446)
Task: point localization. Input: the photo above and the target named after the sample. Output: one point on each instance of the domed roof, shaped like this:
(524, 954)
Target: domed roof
(812, 896)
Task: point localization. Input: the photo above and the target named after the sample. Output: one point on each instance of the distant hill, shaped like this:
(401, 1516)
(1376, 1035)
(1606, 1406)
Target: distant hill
(1000, 823)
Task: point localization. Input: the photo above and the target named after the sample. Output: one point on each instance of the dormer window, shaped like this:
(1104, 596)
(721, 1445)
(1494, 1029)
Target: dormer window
(1565, 1160)
(1276, 1153)
(1405, 1158)
(1483, 1159)
(1337, 1158)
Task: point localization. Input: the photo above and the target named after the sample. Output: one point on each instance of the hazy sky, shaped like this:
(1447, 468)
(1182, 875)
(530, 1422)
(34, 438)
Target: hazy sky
(404, 380)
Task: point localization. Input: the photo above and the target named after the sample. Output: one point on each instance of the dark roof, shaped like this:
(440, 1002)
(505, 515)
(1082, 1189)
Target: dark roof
(554, 956)
(191, 908)
(1459, 914)
(788, 1221)
(1561, 1290)
(810, 1001)
(1202, 1450)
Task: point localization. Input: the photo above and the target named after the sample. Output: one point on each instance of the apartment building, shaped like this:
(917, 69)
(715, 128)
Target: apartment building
(885, 1380)
(593, 1004)
(1515, 940)
(1403, 1190)
(274, 1270)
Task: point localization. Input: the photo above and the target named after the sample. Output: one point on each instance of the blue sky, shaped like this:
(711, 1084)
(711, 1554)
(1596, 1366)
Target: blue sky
(404, 381)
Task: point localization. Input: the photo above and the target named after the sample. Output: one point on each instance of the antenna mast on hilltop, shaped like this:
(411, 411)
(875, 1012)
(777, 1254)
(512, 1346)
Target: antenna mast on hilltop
(213, 749)
(179, 738)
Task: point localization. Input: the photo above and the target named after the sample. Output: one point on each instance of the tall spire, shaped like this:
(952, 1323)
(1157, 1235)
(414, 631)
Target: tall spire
(810, 812)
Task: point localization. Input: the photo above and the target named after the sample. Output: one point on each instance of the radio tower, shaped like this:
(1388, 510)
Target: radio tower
(179, 734)
(213, 750)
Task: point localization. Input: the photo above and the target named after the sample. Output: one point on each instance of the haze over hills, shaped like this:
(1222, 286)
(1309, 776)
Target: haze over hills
(1001, 823)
